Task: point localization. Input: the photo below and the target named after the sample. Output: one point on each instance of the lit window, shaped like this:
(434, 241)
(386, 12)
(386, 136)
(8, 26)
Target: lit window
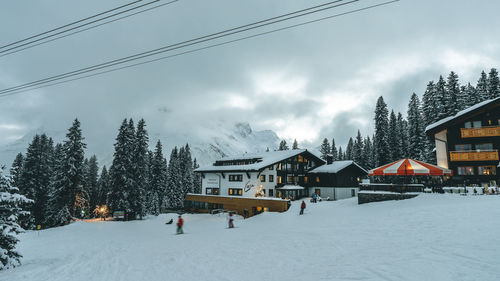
(279, 179)
(235, 191)
(290, 179)
(262, 178)
(305, 179)
(486, 170)
(317, 179)
(235, 177)
(465, 171)
(301, 159)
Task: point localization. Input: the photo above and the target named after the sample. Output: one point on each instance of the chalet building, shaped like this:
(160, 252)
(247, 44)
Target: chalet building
(338, 180)
(468, 144)
(251, 183)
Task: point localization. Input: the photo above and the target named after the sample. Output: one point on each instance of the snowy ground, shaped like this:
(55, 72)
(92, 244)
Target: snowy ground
(431, 237)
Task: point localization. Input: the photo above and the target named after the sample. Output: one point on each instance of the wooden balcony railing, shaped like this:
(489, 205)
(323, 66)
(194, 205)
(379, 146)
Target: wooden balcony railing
(473, 155)
(490, 131)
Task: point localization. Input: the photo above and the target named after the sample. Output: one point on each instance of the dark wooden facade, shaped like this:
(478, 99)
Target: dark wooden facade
(347, 177)
(472, 145)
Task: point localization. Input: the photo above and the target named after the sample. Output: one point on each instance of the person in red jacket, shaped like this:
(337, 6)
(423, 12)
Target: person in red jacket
(180, 223)
(302, 207)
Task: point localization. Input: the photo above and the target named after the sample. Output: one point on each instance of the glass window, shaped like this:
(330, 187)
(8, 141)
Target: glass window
(305, 179)
(235, 191)
(463, 147)
(486, 170)
(290, 179)
(353, 192)
(279, 179)
(279, 166)
(235, 177)
(484, 146)
(468, 125)
(271, 192)
(271, 167)
(476, 124)
(271, 178)
(465, 171)
(262, 178)
(215, 191)
(317, 179)
(301, 159)
(208, 191)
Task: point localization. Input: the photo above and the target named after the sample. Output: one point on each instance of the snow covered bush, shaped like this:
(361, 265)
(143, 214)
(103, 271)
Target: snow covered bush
(10, 210)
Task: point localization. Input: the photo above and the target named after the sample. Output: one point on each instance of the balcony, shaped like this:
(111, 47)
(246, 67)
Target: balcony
(490, 131)
(474, 155)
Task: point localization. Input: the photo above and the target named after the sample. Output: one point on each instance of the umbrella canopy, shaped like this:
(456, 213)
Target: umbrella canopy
(409, 167)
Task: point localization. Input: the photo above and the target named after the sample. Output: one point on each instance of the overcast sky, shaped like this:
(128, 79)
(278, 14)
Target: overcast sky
(315, 81)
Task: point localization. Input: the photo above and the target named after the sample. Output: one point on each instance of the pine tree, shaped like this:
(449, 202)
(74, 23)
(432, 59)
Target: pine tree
(173, 181)
(283, 145)
(392, 137)
(60, 197)
(103, 186)
(295, 144)
(357, 150)
(493, 84)
(16, 169)
(429, 106)
(349, 150)
(120, 169)
(91, 183)
(415, 129)
(401, 138)
(334, 151)
(452, 95)
(440, 99)
(137, 198)
(341, 154)
(368, 154)
(325, 149)
(186, 172)
(197, 178)
(158, 180)
(381, 144)
(471, 96)
(10, 210)
(482, 87)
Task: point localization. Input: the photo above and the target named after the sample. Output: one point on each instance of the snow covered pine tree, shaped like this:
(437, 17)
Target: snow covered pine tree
(10, 210)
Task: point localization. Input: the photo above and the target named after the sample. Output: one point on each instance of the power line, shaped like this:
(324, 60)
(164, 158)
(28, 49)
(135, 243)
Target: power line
(183, 44)
(69, 24)
(4, 93)
(10, 50)
(88, 28)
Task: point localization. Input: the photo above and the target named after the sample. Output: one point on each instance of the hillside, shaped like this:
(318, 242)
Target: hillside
(431, 237)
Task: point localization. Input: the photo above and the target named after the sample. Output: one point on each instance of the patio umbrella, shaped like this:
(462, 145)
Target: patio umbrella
(409, 167)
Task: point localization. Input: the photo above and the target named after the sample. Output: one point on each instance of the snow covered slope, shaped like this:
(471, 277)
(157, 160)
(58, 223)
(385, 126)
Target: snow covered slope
(221, 142)
(431, 237)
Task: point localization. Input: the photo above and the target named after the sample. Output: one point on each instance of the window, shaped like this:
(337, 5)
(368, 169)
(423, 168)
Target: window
(353, 192)
(262, 178)
(484, 146)
(305, 179)
(212, 191)
(279, 179)
(235, 191)
(486, 170)
(465, 171)
(271, 192)
(295, 179)
(279, 166)
(317, 179)
(301, 159)
(271, 167)
(473, 124)
(235, 177)
(463, 147)
(289, 179)
(271, 178)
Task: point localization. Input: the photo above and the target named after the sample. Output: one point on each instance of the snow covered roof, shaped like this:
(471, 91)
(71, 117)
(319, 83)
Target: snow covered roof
(291, 187)
(461, 113)
(263, 160)
(335, 167)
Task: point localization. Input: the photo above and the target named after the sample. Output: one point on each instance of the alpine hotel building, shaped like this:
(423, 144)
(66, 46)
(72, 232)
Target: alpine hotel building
(468, 144)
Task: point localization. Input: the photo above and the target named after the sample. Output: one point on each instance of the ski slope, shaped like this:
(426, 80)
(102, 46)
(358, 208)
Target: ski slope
(431, 237)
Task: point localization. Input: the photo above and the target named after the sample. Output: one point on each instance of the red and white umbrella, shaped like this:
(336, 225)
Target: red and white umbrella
(409, 167)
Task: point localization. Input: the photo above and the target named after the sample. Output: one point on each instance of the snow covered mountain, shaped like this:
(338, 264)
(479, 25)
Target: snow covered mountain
(237, 139)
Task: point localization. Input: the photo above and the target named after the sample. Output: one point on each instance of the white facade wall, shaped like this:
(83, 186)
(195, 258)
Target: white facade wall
(335, 193)
(250, 186)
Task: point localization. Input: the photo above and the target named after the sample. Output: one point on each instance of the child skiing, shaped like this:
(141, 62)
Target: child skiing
(180, 223)
(302, 207)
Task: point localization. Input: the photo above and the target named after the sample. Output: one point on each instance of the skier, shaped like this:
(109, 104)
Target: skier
(180, 223)
(302, 207)
(230, 220)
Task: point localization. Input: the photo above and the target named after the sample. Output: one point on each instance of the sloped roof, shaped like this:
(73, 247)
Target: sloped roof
(462, 113)
(265, 159)
(335, 167)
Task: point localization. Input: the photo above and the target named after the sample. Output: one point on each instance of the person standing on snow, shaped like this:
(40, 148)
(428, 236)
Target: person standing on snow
(180, 223)
(230, 220)
(302, 207)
